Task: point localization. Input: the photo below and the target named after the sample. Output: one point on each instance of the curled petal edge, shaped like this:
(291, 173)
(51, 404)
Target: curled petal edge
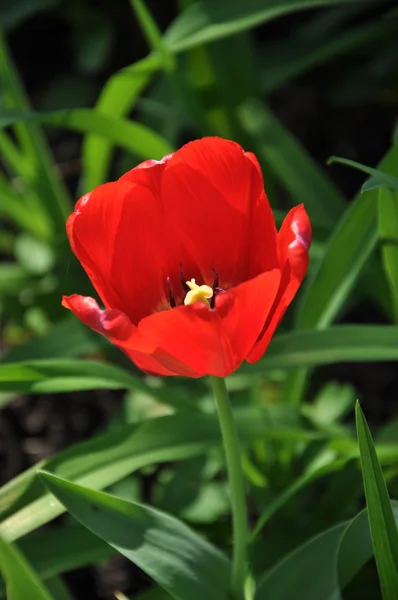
(118, 329)
(294, 240)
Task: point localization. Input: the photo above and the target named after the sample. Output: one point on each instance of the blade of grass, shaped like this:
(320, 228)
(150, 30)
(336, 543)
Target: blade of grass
(338, 272)
(287, 59)
(381, 518)
(378, 179)
(291, 164)
(153, 34)
(48, 185)
(22, 210)
(388, 234)
(129, 135)
(207, 20)
(116, 99)
(341, 343)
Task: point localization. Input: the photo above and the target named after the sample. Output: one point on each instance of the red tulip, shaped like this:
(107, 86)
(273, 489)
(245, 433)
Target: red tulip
(185, 256)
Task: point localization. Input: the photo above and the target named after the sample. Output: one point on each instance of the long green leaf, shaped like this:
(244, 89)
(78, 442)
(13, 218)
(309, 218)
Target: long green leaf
(22, 582)
(152, 33)
(308, 572)
(102, 461)
(60, 550)
(378, 179)
(117, 99)
(339, 270)
(207, 20)
(49, 187)
(50, 376)
(381, 517)
(129, 135)
(286, 59)
(388, 233)
(294, 168)
(321, 567)
(343, 343)
(181, 562)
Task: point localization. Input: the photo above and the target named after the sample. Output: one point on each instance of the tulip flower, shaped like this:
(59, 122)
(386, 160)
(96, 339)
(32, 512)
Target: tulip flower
(185, 256)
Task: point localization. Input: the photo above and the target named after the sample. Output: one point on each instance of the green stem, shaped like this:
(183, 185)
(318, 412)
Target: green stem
(237, 485)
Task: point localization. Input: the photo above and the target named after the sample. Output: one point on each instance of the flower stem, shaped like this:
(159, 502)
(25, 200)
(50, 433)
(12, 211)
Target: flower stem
(237, 486)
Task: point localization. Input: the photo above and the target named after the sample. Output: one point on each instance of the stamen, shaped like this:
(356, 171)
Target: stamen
(172, 300)
(215, 288)
(198, 293)
(185, 287)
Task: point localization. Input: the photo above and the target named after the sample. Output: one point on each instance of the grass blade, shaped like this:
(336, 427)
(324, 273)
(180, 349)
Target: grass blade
(378, 178)
(207, 20)
(291, 164)
(342, 343)
(129, 135)
(117, 99)
(381, 517)
(388, 233)
(47, 184)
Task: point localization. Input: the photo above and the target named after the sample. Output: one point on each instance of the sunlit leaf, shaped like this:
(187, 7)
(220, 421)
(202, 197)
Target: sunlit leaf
(167, 550)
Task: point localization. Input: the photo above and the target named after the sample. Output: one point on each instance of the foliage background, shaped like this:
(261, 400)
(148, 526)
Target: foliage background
(294, 86)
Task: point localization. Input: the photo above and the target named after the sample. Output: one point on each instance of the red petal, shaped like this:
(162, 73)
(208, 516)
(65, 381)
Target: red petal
(294, 239)
(117, 328)
(117, 233)
(148, 174)
(217, 211)
(214, 342)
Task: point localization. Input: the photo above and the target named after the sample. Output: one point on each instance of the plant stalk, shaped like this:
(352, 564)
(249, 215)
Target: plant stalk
(237, 486)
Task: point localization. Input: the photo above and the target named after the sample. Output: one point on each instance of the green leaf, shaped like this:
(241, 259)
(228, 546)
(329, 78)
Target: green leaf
(60, 375)
(23, 211)
(308, 572)
(67, 339)
(290, 57)
(152, 33)
(22, 582)
(167, 550)
(127, 134)
(53, 196)
(338, 271)
(117, 99)
(342, 343)
(294, 168)
(321, 567)
(381, 517)
(207, 20)
(61, 549)
(110, 457)
(388, 233)
(378, 179)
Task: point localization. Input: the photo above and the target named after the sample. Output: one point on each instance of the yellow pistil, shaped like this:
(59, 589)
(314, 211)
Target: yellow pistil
(198, 293)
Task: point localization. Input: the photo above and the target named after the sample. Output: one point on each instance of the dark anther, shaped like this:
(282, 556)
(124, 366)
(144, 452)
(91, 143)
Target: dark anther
(215, 281)
(171, 295)
(183, 280)
(215, 288)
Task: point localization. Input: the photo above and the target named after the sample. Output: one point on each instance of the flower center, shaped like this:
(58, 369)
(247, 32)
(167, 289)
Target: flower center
(198, 293)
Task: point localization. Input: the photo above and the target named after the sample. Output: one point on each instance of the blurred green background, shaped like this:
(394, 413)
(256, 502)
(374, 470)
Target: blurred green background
(89, 89)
